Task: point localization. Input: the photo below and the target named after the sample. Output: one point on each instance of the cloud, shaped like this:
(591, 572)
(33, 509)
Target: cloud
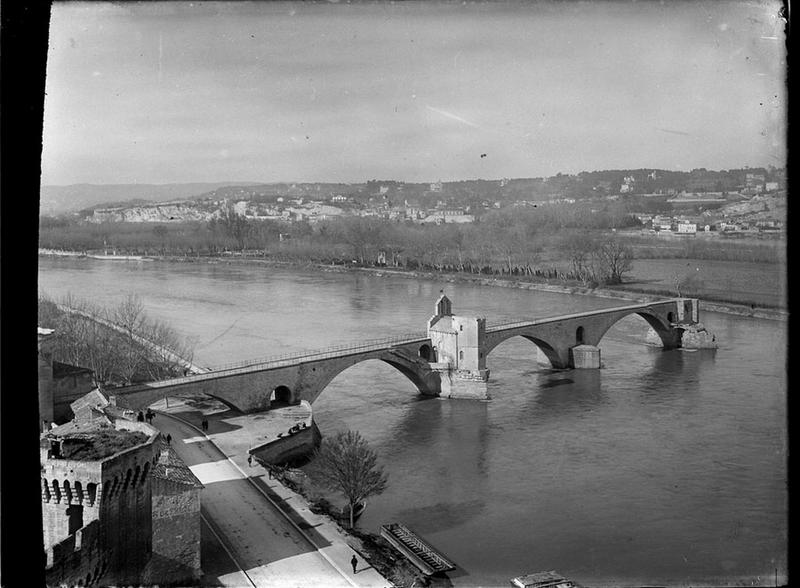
(674, 132)
(452, 116)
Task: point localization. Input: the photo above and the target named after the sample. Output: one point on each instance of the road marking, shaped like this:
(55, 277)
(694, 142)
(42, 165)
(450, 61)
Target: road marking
(216, 471)
(195, 440)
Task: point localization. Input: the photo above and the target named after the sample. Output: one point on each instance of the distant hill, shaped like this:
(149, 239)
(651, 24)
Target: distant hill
(60, 199)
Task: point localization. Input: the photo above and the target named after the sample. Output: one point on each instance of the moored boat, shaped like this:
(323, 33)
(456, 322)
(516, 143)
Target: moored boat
(549, 579)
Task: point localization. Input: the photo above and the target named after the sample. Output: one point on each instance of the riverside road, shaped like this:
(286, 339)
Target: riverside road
(269, 549)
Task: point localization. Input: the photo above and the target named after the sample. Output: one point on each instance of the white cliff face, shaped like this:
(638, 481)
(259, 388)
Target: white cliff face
(162, 213)
(194, 211)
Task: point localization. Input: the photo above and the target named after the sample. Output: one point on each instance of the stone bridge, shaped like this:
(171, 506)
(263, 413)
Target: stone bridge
(450, 360)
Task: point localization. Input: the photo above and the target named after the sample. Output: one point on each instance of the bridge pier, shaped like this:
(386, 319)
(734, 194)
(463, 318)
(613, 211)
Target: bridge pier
(584, 357)
(462, 383)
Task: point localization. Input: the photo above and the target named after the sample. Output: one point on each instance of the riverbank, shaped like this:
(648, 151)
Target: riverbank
(629, 291)
(292, 491)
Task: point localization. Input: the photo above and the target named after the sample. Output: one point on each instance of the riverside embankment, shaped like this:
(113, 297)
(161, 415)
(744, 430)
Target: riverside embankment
(743, 302)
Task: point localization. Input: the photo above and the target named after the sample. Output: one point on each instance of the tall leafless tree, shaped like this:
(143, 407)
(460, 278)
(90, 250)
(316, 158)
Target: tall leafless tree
(347, 464)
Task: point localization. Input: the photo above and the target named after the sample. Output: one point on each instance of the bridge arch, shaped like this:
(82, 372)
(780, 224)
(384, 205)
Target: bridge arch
(426, 352)
(407, 368)
(666, 332)
(549, 351)
(280, 396)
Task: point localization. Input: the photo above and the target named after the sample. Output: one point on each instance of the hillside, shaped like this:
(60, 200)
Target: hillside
(60, 199)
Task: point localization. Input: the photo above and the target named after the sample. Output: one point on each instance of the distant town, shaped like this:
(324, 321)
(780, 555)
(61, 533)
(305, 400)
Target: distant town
(699, 202)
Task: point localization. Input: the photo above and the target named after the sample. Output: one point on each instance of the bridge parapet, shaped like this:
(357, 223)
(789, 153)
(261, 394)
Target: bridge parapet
(450, 360)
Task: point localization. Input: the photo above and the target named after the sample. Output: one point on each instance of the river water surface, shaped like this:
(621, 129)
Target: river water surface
(664, 467)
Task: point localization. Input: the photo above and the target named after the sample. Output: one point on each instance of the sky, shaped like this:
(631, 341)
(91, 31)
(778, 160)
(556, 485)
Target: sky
(169, 92)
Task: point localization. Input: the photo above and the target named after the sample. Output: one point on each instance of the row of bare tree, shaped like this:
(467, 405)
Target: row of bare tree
(515, 240)
(121, 345)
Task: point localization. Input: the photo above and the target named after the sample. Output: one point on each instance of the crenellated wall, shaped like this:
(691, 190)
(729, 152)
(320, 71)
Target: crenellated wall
(115, 492)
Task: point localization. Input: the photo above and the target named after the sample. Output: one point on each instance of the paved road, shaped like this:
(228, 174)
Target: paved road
(265, 544)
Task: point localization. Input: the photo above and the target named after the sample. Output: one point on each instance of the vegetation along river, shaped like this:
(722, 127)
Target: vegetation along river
(660, 468)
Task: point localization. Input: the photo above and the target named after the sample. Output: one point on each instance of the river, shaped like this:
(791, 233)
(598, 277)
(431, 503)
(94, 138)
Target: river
(664, 467)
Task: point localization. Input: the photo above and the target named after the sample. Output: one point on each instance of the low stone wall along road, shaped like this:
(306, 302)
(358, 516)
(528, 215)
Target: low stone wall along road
(262, 541)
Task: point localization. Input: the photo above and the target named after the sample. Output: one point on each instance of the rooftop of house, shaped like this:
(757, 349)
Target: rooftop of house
(171, 467)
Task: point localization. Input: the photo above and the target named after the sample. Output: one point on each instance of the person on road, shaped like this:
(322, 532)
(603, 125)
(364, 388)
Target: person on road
(169, 438)
(354, 563)
(205, 424)
(250, 460)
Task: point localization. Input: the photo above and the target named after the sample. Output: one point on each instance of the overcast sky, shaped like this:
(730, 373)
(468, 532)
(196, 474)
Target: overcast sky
(415, 91)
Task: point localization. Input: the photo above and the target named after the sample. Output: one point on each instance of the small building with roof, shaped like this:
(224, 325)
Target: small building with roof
(176, 520)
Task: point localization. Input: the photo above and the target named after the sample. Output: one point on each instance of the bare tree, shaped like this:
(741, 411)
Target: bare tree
(613, 259)
(360, 233)
(232, 225)
(579, 248)
(119, 346)
(129, 317)
(347, 464)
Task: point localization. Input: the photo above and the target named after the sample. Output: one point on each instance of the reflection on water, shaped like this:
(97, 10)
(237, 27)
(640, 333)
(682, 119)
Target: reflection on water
(664, 467)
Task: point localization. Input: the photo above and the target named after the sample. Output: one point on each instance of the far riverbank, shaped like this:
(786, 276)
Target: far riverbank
(628, 291)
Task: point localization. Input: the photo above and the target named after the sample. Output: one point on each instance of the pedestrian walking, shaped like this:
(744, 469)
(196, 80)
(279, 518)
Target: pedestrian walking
(205, 425)
(250, 460)
(169, 438)
(354, 563)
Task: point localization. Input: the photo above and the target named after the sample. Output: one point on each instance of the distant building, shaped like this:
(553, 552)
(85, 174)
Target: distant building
(687, 228)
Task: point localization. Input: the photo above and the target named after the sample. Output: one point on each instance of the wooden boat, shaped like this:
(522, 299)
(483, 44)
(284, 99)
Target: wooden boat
(543, 580)
(120, 257)
(415, 549)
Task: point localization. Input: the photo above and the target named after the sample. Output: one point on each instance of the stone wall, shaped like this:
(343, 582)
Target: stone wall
(45, 394)
(126, 511)
(77, 559)
(288, 448)
(66, 390)
(176, 532)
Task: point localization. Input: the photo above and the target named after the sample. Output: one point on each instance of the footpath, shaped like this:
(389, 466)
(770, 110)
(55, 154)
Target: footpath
(234, 434)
